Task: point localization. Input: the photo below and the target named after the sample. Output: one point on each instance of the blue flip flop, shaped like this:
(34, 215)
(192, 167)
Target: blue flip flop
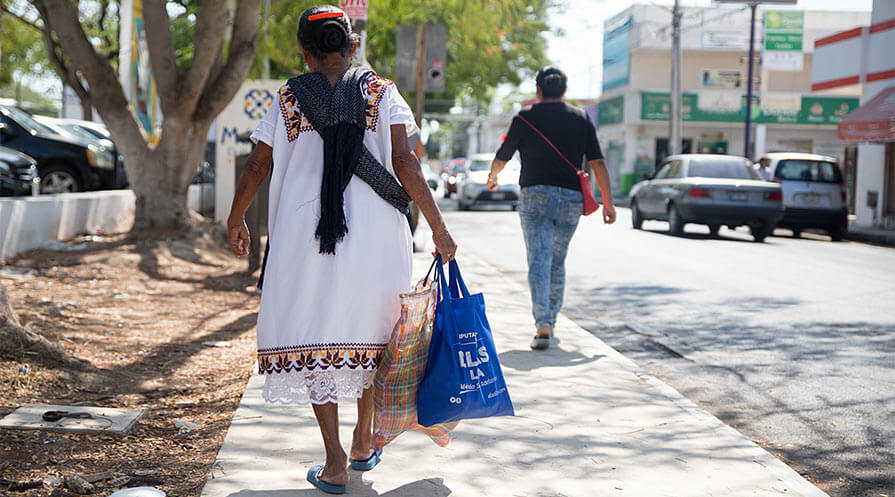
(314, 478)
(368, 463)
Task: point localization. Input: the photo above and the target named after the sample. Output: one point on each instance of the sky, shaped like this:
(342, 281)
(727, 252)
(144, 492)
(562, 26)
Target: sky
(579, 51)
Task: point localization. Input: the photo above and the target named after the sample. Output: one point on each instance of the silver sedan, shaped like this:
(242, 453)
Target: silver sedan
(715, 190)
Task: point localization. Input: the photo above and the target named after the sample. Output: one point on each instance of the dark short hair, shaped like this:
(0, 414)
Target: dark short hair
(552, 81)
(325, 29)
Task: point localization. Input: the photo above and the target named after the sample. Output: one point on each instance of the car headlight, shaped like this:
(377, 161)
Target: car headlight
(99, 158)
(5, 169)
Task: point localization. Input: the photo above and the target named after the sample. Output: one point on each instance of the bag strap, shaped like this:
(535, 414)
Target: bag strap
(456, 280)
(431, 267)
(577, 171)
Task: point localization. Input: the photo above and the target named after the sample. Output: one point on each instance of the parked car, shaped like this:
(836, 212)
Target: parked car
(716, 190)
(93, 133)
(451, 174)
(814, 193)
(432, 179)
(18, 173)
(64, 164)
(472, 189)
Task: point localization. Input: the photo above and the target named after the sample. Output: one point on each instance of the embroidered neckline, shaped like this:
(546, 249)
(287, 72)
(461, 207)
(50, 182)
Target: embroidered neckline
(296, 122)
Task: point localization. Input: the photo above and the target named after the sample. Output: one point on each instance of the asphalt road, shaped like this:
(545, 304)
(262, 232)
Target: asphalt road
(791, 341)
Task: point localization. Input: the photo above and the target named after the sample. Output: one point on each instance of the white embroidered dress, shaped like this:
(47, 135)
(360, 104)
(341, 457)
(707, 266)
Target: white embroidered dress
(325, 319)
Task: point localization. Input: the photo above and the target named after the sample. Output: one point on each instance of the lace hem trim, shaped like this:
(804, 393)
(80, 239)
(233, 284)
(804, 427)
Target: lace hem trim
(316, 387)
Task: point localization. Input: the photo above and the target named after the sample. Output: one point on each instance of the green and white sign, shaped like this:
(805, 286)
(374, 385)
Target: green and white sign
(611, 111)
(783, 30)
(654, 106)
(783, 40)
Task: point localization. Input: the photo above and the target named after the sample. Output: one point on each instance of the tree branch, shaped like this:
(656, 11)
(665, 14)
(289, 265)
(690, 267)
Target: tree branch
(165, 69)
(21, 19)
(61, 17)
(220, 89)
(211, 23)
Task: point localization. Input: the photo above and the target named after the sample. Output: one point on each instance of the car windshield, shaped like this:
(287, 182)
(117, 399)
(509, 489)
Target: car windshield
(79, 132)
(731, 169)
(26, 121)
(479, 165)
(808, 170)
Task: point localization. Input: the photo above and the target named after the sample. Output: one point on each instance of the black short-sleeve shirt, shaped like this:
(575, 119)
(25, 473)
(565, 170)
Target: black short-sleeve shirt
(570, 130)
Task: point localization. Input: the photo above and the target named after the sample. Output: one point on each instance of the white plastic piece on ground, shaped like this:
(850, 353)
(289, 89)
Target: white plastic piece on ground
(139, 492)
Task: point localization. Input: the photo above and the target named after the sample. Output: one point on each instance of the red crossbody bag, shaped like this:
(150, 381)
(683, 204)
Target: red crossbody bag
(589, 203)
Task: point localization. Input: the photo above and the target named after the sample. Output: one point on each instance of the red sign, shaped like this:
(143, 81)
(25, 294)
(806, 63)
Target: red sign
(356, 9)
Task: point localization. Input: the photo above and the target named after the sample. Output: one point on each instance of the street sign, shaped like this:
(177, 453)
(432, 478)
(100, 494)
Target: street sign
(355, 9)
(436, 58)
(783, 34)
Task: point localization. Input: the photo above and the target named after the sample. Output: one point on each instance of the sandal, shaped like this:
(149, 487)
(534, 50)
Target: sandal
(314, 478)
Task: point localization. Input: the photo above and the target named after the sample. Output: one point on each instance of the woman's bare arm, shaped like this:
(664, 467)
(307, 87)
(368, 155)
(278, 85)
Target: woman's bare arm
(407, 168)
(256, 169)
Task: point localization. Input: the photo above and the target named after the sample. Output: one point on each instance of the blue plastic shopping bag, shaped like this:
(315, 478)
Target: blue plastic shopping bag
(463, 379)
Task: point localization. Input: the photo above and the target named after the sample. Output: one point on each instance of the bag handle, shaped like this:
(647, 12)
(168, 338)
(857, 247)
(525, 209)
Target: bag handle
(577, 171)
(431, 267)
(456, 280)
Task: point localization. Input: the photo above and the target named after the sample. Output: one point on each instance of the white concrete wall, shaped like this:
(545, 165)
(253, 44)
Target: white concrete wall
(32, 222)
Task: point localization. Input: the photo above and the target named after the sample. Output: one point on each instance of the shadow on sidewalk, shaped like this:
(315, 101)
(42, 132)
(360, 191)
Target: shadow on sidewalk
(529, 360)
(430, 487)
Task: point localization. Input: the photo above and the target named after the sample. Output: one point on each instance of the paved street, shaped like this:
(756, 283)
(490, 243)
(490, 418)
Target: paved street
(789, 341)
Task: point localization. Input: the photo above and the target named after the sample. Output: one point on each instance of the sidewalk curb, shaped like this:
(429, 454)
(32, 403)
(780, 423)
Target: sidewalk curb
(782, 471)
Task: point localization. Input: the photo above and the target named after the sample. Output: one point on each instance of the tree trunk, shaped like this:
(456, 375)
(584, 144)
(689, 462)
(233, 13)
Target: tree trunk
(161, 177)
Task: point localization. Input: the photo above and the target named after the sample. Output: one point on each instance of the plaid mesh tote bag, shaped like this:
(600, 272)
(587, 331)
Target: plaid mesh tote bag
(401, 369)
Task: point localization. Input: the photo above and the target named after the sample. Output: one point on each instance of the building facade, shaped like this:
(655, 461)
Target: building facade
(861, 59)
(634, 110)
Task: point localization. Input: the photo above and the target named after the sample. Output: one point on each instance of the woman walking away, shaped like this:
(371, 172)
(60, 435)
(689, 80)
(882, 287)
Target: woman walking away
(339, 251)
(550, 203)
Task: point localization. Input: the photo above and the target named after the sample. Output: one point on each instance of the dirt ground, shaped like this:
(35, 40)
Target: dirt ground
(171, 321)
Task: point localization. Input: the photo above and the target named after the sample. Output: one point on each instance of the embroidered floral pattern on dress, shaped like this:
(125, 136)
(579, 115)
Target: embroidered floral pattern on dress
(373, 91)
(296, 123)
(318, 387)
(322, 357)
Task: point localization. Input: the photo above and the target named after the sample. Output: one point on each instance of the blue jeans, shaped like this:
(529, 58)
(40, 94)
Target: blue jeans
(549, 216)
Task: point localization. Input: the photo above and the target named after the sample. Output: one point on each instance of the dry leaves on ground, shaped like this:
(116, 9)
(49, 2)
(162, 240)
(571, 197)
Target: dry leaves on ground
(142, 308)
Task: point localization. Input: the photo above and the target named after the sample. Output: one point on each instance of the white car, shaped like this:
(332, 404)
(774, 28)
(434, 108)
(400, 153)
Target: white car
(814, 193)
(472, 189)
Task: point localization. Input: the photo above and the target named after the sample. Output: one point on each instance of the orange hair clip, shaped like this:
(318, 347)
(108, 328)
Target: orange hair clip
(324, 15)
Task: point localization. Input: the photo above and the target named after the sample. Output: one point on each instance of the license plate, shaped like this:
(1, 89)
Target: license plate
(809, 198)
(738, 195)
(498, 196)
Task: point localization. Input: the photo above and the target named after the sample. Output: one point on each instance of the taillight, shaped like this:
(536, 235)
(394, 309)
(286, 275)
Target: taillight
(844, 196)
(778, 180)
(773, 196)
(700, 192)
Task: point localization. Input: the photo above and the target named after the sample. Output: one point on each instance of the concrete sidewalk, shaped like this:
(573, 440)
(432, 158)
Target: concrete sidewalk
(589, 423)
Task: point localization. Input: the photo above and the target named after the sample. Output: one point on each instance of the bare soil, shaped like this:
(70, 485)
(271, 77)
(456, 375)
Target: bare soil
(140, 307)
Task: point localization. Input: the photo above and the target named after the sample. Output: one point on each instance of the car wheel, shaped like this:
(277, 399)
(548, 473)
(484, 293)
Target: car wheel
(59, 179)
(838, 233)
(675, 222)
(760, 232)
(713, 229)
(636, 216)
(461, 205)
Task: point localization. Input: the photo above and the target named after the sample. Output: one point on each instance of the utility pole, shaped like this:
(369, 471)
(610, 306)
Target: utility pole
(420, 72)
(674, 131)
(746, 147)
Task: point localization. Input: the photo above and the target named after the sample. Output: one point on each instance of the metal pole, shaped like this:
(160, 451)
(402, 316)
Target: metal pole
(420, 72)
(265, 71)
(674, 131)
(746, 146)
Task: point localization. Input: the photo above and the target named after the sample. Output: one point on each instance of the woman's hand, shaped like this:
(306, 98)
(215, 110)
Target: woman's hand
(239, 236)
(444, 244)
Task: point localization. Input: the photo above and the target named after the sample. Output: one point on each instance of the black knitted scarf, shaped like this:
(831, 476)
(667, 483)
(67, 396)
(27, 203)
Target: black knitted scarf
(337, 114)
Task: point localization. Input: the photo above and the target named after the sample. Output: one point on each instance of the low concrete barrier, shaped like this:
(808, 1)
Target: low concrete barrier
(32, 222)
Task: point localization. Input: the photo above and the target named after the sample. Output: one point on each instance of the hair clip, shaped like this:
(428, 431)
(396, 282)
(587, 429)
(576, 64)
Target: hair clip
(325, 15)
